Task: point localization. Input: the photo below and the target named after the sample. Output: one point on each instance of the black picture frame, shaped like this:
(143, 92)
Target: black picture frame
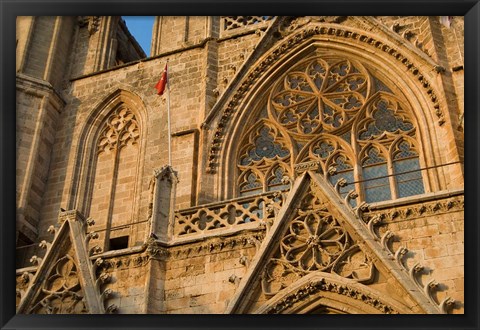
(9, 9)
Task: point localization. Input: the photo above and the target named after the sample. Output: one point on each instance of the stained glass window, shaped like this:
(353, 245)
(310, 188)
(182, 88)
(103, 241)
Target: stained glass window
(264, 147)
(376, 190)
(376, 185)
(274, 182)
(251, 184)
(384, 120)
(328, 109)
(408, 184)
(406, 160)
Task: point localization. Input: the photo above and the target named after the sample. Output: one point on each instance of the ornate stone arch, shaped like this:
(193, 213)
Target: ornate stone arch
(263, 149)
(116, 123)
(379, 55)
(323, 148)
(328, 293)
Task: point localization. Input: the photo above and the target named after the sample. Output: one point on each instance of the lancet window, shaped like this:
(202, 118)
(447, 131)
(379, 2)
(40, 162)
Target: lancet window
(264, 160)
(115, 174)
(335, 111)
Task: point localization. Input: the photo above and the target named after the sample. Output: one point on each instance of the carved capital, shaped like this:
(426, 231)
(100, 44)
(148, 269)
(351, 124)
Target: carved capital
(155, 249)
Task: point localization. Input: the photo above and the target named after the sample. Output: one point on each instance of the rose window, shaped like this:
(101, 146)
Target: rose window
(320, 96)
(313, 242)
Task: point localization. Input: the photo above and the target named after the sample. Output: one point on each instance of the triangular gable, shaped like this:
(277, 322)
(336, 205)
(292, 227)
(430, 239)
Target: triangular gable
(316, 235)
(64, 282)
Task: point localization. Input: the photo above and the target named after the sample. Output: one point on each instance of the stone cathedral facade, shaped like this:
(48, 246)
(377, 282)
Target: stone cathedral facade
(317, 166)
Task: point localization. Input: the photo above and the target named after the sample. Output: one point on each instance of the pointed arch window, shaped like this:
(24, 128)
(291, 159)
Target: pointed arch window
(343, 170)
(264, 160)
(405, 160)
(115, 175)
(250, 183)
(275, 179)
(340, 112)
(375, 174)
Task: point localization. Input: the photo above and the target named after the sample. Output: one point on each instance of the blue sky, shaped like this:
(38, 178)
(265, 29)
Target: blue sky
(141, 28)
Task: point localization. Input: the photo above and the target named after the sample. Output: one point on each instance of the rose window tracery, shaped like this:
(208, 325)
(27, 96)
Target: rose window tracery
(337, 112)
(322, 95)
(314, 241)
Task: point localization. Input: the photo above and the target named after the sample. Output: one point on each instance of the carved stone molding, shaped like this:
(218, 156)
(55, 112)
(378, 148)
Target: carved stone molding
(117, 263)
(295, 23)
(324, 29)
(417, 210)
(315, 287)
(155, 250)
(405, 28)
(307, 166)
(216, 245)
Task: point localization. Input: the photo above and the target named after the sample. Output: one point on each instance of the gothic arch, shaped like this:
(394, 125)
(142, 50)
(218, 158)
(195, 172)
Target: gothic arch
(333, 294)
(324, 148)
(379, 56)
(115, 126)
(257, 163)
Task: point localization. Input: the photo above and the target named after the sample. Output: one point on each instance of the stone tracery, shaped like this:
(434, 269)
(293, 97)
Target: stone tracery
(117, 147)
(62, 291)
(333, 110)
(120, 129)
(314, 241)
(321, 95)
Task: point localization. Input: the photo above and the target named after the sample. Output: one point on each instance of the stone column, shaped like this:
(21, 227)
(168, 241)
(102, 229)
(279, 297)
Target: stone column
(155, 278)
(163, 203)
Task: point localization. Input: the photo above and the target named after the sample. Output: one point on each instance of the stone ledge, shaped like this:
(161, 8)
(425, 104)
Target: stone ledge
(417, 199)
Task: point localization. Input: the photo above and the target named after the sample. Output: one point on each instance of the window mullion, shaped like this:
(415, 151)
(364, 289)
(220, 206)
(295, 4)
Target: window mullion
(392, 179)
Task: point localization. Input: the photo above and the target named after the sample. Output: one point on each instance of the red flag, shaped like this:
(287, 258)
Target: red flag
(160, 86)
(446, 20)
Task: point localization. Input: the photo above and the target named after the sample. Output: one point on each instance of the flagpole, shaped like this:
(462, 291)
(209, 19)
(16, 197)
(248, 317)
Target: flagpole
(168, 123)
